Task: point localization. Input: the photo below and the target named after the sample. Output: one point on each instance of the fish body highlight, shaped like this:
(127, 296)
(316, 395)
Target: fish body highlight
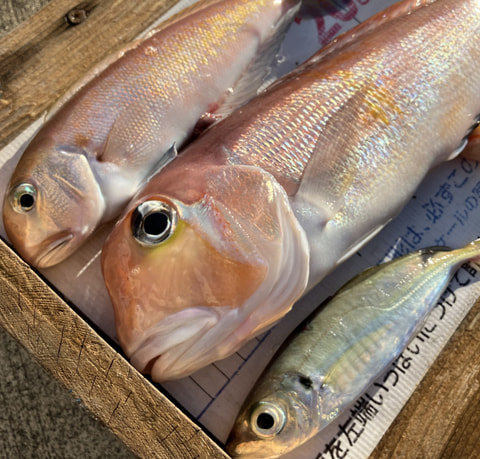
(332, 358)
(348, 138)
(125, 120)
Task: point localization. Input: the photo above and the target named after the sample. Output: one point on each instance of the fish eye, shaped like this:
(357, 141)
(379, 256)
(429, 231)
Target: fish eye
(267, 420)
(24, 197)
(153, 222)
(305, 382)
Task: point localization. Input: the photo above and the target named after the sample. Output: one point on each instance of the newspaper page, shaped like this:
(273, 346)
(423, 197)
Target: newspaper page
(444, 211)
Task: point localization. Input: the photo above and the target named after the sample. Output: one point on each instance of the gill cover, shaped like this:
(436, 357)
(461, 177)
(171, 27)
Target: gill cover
(225, 268)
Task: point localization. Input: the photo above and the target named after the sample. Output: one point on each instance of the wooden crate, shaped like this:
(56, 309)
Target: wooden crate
(440, 420)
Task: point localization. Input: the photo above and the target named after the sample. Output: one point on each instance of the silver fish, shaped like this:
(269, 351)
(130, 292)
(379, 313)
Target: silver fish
(341, 349)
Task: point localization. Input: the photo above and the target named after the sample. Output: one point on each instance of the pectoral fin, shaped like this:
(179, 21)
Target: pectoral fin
(323, 183)
(132, 141)
(358, 245)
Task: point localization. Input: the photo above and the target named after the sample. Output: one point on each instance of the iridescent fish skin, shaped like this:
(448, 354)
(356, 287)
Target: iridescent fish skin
(340, 350)
(116, 127)
(348, 137)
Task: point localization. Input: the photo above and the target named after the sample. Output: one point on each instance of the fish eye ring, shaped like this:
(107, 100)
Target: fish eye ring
(267, 420)
(153, 222)
(24, 197)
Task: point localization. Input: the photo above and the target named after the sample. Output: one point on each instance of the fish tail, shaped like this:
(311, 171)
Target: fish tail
(471, 252)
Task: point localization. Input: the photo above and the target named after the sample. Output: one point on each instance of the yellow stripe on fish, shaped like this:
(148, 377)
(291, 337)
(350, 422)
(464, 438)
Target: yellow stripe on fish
(338, 352)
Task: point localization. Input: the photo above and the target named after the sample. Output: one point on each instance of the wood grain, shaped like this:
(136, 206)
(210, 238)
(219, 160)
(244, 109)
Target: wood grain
(38, 62)
(132, 408)
(14, 12)
(44, 56)
(442, 418)
(40, 419)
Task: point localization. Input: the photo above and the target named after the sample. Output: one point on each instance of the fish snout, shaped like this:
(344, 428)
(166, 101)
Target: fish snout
(174, 347)
(40, 245)
(255, 430)
(42, 238)
(54, 249)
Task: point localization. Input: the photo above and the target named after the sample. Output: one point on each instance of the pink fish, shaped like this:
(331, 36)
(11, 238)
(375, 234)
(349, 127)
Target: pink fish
(126, 119)
(219, 245)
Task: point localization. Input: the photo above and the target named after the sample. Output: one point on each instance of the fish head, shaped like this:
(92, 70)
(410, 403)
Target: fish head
(52, 202)
(279, 414)
(195, 272)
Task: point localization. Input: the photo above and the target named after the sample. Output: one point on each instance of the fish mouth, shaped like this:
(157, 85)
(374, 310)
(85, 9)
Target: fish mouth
(53, 249)
(250, 450)
(185, 342)
(170, 348)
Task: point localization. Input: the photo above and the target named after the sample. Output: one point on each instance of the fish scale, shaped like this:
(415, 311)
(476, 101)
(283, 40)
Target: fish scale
(334, 151)
(336, 96)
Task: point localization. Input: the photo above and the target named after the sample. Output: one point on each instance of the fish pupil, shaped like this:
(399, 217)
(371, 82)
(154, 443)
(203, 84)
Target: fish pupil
(26, 201)
(23, 197)
(265, 421)
(156, 223)
(305, 382)
(153, 222)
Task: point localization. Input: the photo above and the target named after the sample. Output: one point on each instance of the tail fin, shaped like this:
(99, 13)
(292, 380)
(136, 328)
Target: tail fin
(468, 253)
(471, 251)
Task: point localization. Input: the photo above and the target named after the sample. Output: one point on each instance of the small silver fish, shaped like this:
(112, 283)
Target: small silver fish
(341, 350)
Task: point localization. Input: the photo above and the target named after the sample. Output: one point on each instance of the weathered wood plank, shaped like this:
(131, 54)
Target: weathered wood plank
(132, 408)
(14, 12)
(45, 55)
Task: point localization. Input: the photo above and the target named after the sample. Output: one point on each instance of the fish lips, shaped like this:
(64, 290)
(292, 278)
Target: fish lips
(250, 450)
(47, 252)
(169, 351)
(54, 249)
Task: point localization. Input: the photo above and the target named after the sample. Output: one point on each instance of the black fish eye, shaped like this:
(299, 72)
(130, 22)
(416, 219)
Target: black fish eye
(24, 197)
(267, 420)
(153, 222)
(306, 382)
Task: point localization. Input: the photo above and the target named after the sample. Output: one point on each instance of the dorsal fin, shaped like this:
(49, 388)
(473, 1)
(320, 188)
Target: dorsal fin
(395, 11)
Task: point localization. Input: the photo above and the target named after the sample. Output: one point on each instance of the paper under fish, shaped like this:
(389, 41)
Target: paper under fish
(221, 243)
(341, 349)
(126, 118)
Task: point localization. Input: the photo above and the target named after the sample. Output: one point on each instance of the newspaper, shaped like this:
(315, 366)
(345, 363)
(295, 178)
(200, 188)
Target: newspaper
(444, 211)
